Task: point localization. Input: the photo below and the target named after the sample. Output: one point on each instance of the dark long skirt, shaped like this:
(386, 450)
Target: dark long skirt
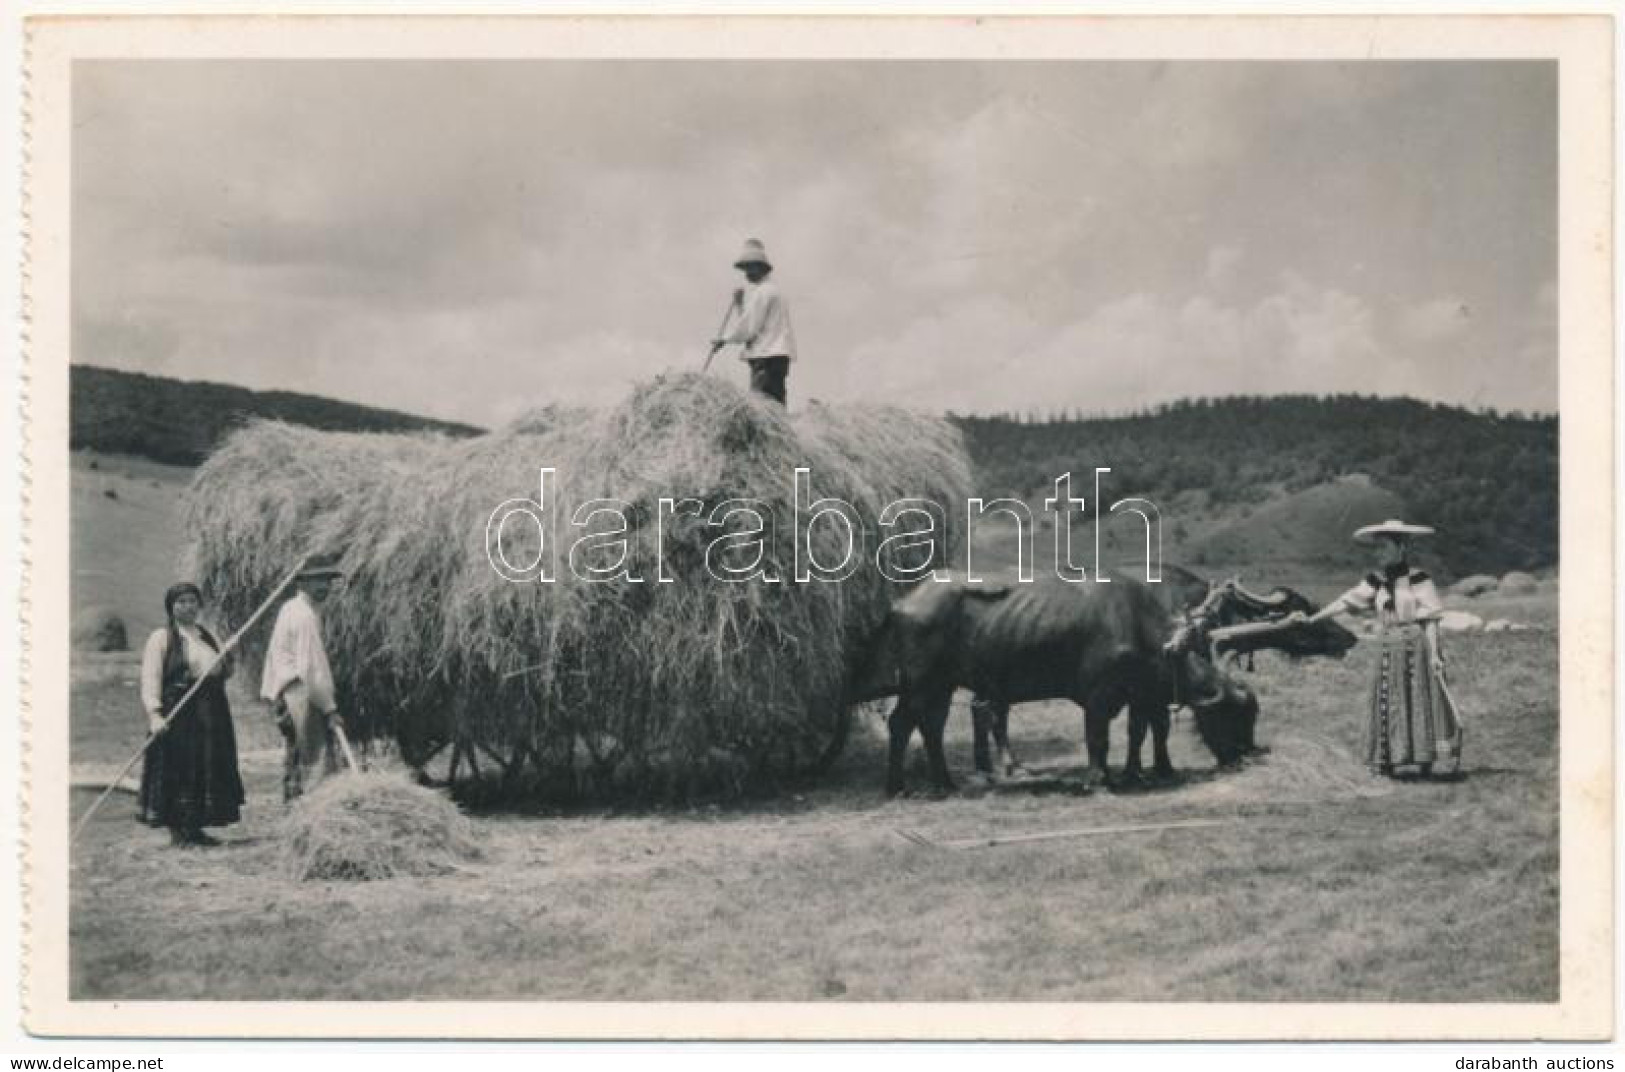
(190, 779)
(1411, 721)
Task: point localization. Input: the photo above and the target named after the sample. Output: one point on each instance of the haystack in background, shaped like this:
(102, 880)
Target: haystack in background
(612, 687)
(360, 827)
(99, 629)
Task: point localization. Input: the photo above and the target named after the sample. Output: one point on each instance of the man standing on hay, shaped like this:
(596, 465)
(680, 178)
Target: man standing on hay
(299, 682)
(762, 325)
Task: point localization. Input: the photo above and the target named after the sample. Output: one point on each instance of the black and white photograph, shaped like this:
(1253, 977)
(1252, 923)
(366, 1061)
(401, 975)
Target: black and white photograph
(1019, 519)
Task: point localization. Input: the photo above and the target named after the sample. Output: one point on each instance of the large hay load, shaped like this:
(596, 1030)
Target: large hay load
(680, 681)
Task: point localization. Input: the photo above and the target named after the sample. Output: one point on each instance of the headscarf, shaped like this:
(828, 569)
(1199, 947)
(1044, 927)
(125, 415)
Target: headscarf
(175, 652)
(175, 592)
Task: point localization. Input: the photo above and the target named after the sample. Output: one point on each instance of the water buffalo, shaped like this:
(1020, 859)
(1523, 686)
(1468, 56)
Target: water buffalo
(1102, 645)
(1199, 607)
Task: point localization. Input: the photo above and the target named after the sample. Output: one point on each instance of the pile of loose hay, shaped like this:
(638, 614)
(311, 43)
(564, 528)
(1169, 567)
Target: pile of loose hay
(614, 687)
(360, 827)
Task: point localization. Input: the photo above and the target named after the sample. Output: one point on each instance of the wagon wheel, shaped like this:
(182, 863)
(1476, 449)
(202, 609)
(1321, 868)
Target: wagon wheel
(836, 744)
(419, 756)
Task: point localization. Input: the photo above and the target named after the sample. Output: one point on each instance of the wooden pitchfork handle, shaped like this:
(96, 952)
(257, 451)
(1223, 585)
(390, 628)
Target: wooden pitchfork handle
(344, 743)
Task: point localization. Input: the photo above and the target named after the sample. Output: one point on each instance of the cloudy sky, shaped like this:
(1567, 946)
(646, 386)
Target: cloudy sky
(469, 239)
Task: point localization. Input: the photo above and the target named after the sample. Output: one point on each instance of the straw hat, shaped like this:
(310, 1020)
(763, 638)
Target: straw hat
(1392, 527)
(753, 253)
(325, 565)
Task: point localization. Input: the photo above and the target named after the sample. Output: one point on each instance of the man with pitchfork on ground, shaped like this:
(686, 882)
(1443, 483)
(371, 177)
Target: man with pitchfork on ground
(299, 682)
(761, 324)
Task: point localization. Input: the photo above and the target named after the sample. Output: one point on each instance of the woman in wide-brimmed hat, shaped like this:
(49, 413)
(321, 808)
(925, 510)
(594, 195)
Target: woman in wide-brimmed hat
(190, 780)
(1412, 722)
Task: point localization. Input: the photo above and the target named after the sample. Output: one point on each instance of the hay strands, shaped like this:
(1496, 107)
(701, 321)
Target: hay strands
(375, 825)
(442, 646)
(180, 705)
(918, 838)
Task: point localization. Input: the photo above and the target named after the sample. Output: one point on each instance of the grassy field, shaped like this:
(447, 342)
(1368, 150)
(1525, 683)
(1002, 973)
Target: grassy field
(1321, 886)
(125, 527)
(1318, 884)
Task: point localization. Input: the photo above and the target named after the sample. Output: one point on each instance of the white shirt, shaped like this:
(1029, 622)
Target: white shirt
(199, 657)
(763, 324)
(1412, 597)
(296, 654)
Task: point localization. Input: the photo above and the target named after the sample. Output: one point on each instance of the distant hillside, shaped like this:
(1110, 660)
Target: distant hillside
(1309, 527)
(178, 421)
(1239, 480)
(1487, 481)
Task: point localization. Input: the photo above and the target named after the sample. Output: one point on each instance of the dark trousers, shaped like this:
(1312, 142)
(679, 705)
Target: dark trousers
(767, 376)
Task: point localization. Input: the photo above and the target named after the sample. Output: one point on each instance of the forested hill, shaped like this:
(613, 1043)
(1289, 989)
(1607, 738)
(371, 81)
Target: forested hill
(179, 422)
(1238, 478)
(1487, 481)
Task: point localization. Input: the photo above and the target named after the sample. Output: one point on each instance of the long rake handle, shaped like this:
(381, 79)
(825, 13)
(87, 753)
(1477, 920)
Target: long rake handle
(344, 745)
(727, 314)
(225, 650)
(1444, 686)
(1455, 712)
(1052, 835)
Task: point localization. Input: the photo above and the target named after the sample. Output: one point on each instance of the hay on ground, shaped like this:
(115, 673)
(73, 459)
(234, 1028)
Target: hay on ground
(611, 686)
(1300, 767)
(359, 827)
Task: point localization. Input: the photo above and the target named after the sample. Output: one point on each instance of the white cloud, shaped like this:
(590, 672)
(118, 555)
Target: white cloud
(1536, 355)
(1436, 320)
(1134, 349)
(440, 237)
(1221, 265)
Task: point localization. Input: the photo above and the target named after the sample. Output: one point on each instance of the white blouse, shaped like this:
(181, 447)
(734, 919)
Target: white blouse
(1412, 597)
(199, 656)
